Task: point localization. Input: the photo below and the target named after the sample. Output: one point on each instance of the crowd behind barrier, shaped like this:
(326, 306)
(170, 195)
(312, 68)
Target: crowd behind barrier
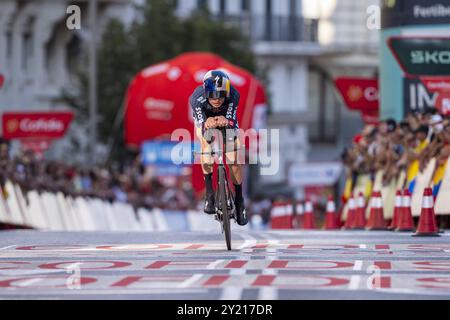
(410, 155)
(51, 195)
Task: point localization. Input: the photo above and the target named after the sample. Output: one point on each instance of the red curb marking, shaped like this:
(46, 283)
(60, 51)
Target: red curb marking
(382, 247)
(195, 246)
(295, 246)
(278, 264)
(158, 265)
(9, 283)
(384, 265)
(442, 283)
(216, 280)
(236, 264)
(51, 247)
(438, 265)
(263, 281)
(260, 246)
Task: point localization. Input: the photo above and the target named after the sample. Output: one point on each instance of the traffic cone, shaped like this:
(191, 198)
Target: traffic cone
(360, 216)
(351, 212)
(331, 222)
(280, 216)
(308, 216)
(427, 222)
(376, 219)
(397, 210)
(405, 220)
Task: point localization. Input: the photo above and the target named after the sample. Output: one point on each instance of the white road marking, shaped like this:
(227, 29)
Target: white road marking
(231, 293)
(354, 282)
(187, 283)
(268, 293)
(27, 283)
(249, 241)
(358, 265)
(6, 248)
(270, 272)
(213, 265)
(363, 246)
(237, 272)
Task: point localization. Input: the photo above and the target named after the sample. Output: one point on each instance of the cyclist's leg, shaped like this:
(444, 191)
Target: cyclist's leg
(235, 165)
(206, 159)
(207, 168)
(233, 158)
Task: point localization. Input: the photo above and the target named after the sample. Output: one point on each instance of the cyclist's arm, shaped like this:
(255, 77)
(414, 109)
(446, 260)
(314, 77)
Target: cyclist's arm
(231, 115)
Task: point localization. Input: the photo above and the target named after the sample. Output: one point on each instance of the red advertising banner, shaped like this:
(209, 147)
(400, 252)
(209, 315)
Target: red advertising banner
(24, 125)
(441, 86)
(2, 80)
(359, 93)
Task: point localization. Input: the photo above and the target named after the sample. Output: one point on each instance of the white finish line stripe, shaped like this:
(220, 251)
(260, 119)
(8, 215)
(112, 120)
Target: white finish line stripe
(187, 283)
(268, 293)
(354, 282)
(249, 241)
(358, 265)
(213, 265)
(6, 248)
(231, 293)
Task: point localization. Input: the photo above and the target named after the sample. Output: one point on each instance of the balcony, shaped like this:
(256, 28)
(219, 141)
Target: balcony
(274, 28)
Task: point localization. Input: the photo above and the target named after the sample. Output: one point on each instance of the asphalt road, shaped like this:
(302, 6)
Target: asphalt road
(190, 266)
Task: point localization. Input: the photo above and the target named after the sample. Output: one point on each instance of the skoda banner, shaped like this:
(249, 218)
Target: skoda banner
(422, 56)
(414, 43)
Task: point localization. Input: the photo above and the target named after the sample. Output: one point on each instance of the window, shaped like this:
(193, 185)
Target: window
(245, 5)
(268, 7)
(222, 7)
(292, 7)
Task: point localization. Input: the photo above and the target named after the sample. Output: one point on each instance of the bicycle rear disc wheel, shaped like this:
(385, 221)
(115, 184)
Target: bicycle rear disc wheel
(224, 207)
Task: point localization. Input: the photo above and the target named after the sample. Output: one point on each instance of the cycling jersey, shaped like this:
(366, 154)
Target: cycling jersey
(202, 110)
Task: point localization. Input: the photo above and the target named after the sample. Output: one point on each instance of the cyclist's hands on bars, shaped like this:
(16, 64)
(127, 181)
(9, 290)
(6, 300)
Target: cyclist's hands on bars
(210, 123)
(221, 121)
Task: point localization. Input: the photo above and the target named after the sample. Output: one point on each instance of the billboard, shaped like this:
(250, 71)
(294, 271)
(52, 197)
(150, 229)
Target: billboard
(36, 125)
(420, 56)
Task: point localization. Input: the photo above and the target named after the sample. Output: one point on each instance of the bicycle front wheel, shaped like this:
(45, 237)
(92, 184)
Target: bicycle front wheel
(224, 207)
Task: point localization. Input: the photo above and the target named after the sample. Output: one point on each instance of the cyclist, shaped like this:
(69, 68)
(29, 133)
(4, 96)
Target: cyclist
(214, 105)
